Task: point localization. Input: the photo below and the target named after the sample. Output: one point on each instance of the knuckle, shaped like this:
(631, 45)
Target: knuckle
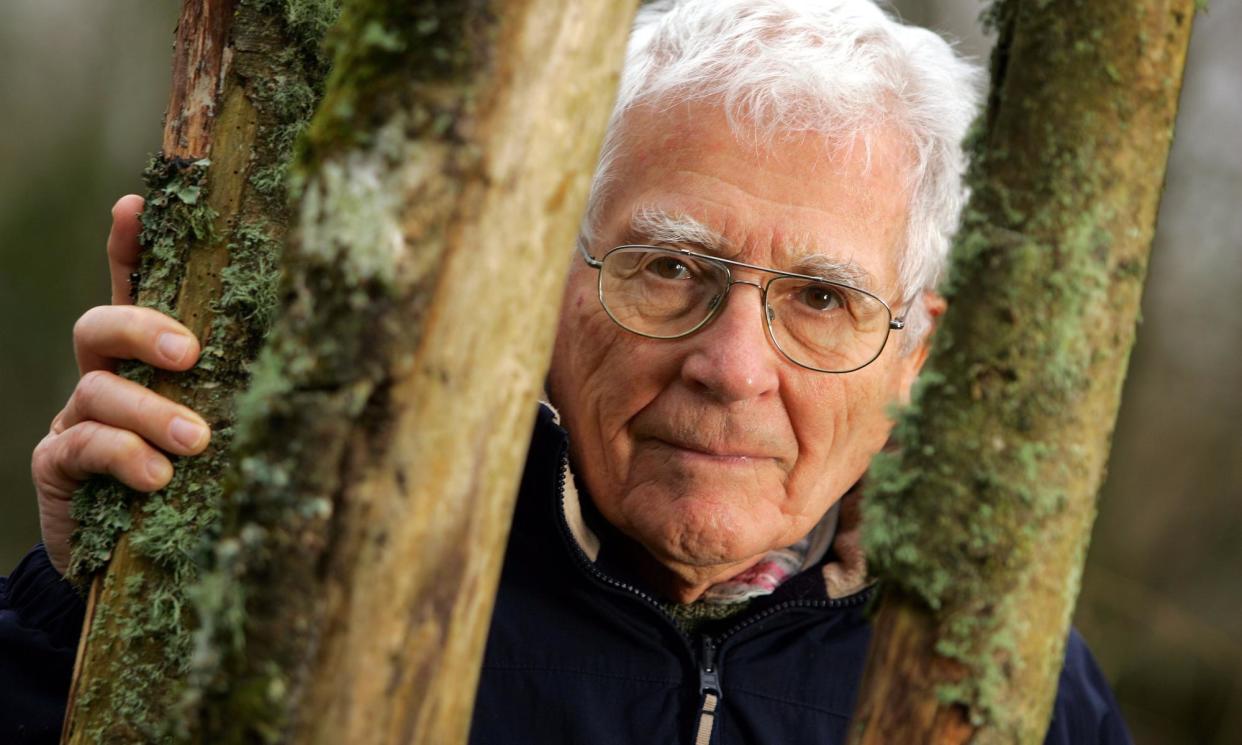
(93, 447)
(78, 438)
(152, 409)
(86, 323)
(128, 446)
(130, 320)
(91, 388)
(109, 450)
(39, 456)
(145, 405)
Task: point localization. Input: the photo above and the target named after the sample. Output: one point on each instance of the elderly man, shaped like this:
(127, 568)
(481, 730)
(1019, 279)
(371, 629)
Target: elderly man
(754, 287)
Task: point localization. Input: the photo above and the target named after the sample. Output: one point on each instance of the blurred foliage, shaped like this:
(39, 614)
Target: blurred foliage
(83, 86)
(82, 90)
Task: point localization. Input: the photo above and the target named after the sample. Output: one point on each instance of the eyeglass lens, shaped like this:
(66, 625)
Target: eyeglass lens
(665, 294)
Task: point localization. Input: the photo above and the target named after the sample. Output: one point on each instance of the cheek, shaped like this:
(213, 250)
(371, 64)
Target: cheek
(572, 353)
(590, 352)
(601, 377)
(840, 423)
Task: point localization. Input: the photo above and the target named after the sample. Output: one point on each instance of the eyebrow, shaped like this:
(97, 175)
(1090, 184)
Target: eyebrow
(845, 272)
(657, 226)
(654, 225)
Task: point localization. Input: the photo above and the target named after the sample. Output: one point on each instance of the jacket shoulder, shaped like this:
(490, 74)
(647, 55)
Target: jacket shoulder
(1085, 710)
(40, 617)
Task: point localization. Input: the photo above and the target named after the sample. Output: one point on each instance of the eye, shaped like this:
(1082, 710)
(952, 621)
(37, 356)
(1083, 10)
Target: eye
(667, 267)
(821, 297)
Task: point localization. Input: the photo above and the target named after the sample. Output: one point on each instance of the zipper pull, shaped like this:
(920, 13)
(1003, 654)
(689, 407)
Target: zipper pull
(709, 688)
(709, 675)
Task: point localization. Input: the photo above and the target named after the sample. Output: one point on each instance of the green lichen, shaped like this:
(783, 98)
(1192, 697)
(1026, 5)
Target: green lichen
(146, 625)
(287, 87)
(176, 216)
(101, 508)
(325, 362)
(292, 100)
(989, 447)
(352, 213)
(250, 284)
(319, 386)
(149, 620)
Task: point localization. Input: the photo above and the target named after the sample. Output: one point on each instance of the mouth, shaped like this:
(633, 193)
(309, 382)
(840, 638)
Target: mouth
(716, 455)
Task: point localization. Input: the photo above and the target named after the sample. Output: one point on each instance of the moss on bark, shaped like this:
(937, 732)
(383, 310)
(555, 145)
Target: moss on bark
(212, 233)
(980, 523)
(430, 153)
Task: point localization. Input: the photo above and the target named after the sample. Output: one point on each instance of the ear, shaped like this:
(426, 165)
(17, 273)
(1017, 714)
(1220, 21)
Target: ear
(936, 306)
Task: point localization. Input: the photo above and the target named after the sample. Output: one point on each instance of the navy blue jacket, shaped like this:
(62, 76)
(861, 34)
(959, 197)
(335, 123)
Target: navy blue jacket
(579, 652)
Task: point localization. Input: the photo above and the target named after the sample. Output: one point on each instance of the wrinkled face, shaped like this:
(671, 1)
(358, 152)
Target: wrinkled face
(712, 449)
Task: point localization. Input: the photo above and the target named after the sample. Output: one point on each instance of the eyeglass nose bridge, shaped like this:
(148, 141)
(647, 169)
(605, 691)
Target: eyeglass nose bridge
(764, 308)
(728, 288)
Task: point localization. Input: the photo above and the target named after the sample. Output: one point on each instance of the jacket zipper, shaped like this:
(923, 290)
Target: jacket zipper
(709, 689)
(708, 656)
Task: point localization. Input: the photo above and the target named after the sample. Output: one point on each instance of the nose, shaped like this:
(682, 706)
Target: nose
(732, 358)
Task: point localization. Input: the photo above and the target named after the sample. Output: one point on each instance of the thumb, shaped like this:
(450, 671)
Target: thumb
(123, 249)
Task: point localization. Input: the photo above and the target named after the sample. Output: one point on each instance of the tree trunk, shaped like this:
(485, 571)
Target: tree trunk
(381, 442)
(979, 526)
(246, 76)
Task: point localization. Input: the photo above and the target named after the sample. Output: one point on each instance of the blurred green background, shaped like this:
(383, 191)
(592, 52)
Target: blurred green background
(82, 90)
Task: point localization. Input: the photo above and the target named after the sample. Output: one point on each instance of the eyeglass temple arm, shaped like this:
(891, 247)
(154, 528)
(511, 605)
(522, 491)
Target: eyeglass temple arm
(591, 261)
(897, 324)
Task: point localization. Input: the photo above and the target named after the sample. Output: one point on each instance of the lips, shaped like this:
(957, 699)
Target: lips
(710, 434)
(729, 452)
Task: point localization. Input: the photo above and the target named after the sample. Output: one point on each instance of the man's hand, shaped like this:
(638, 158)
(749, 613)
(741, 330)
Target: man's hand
(112, 425)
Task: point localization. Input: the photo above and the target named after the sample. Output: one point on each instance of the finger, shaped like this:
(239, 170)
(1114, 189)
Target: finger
(56, 523)
(62, 462)
(57, 526)
(123, 248)
(107, 333)
(112, 400)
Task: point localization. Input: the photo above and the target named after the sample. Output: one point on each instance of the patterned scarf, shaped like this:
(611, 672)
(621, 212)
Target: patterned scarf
(777, 566)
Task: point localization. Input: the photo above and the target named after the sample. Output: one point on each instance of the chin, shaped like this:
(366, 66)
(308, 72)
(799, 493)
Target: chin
(700, 531)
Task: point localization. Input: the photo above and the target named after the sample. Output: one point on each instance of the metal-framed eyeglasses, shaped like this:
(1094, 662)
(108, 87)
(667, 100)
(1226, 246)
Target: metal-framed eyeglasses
(669, 293)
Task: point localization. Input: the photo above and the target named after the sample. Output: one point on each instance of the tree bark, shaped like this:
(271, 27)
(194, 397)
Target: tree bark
(979, 526)
(246, 76)
(381, 442)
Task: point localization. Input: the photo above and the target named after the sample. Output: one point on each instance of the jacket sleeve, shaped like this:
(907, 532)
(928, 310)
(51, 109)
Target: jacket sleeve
(1085, 712)
(40, 620)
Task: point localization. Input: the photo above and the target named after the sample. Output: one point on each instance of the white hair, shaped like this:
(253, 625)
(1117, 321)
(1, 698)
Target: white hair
(840, 68)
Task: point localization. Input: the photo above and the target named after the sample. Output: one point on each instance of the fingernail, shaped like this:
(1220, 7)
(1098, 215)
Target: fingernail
(173, 346)
(159, 469)
(188, 434)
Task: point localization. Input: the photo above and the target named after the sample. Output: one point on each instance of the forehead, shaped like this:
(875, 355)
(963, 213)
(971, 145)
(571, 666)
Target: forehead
(777, 204)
